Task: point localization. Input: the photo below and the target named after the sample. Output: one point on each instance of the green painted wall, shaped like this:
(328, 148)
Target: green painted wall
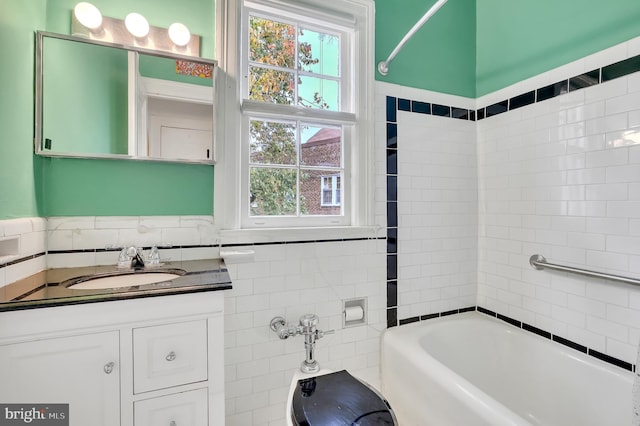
(76, 187)
(441, 56)
(469, 48)
(19, 170)
(517, 39)
(85, 98)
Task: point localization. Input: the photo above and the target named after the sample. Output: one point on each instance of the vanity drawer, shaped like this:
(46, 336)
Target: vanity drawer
(169, 355)
(186, 408)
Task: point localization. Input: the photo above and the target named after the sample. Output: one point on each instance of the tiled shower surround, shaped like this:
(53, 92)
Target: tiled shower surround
(561, 178)
(558, 174)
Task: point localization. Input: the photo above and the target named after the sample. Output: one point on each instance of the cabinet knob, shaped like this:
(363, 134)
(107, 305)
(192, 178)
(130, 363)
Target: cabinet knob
(171, 357)
(108, 368)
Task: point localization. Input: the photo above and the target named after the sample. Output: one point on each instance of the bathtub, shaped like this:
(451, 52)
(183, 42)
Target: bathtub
(472, 369)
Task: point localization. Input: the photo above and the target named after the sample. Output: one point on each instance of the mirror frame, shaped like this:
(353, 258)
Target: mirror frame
(39, 96)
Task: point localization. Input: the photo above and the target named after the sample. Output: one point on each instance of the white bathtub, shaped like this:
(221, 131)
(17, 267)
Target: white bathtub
(472, 369)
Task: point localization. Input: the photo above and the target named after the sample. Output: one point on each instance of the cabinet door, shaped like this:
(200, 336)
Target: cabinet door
(82, 371)
(181, 409)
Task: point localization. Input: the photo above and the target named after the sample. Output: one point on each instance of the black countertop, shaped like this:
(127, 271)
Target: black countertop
(48, 288)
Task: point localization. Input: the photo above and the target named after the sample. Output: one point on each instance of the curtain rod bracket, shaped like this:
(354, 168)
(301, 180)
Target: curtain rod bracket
(383, 66)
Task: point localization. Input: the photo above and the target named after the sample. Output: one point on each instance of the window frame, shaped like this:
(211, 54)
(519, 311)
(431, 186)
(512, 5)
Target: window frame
(231, 171)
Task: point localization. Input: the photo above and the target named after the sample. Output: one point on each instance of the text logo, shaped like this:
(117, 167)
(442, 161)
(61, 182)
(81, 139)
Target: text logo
(34, 414)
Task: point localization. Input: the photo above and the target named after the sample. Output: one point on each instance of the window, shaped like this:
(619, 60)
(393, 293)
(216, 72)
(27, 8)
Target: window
(305, 121)
(330, 195)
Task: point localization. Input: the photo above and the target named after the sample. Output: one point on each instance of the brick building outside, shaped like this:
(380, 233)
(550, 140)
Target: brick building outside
(321, 190)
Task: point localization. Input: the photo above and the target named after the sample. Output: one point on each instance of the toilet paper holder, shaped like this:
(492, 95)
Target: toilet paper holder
(354, 312)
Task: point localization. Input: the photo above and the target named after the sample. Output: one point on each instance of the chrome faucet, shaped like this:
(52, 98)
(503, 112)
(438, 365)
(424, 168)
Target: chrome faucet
(307, 328)
(130, 258)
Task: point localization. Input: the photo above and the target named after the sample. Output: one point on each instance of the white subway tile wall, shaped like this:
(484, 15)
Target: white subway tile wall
(27, 237)
(437, 214)
(565, 187)
(24, 237)
(290, 280)
(100, 232)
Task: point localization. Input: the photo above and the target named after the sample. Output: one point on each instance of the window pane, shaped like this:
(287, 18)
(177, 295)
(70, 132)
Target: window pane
(320, 93)
(318, 193)
(272, 142)
(268, 85)
(321, 146)
(272, 192)
(319, 53)
(271, 42)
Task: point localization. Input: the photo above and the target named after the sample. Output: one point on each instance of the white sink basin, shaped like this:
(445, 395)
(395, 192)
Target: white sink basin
(123, 280)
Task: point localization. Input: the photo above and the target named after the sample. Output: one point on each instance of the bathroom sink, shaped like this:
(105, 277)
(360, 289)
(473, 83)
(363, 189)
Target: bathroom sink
(122, 279)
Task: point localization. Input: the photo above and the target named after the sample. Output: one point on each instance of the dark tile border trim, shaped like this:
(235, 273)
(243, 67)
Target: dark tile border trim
(276, 243)
(526, 327)
(436, 315)
(22, 259)
(571, 84)
(116, 249)
(558, 339)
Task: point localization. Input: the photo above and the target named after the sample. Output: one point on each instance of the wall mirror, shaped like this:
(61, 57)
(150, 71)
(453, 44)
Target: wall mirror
(97, 99)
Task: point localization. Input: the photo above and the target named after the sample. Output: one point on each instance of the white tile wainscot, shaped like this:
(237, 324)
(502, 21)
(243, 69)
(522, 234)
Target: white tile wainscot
(290, 280)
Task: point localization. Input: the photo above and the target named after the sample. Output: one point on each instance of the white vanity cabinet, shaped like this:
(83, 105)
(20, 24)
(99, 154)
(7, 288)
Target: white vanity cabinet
(82, 371)
(149, 361)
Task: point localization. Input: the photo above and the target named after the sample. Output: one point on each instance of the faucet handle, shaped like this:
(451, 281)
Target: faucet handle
(124, 260)
(153, 257)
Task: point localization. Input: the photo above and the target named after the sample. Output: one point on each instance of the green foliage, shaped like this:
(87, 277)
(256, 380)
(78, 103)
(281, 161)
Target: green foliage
(272, 79)
(273, 191)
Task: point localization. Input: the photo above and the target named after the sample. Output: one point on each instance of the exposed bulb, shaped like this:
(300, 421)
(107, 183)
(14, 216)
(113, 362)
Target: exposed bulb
(88, 15)
(137, 25)
(179, 34)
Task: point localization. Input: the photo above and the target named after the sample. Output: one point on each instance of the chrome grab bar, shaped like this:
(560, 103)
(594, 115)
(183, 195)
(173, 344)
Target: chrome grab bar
(539, 262)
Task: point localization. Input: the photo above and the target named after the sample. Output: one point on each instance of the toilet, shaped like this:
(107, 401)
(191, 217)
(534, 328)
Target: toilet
(335, 398)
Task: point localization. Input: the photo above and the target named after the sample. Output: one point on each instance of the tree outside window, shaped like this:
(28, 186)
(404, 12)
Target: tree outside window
(297, 66)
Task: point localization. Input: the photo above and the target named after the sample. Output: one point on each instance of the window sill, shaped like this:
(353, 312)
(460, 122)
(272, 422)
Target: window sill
(239, 237)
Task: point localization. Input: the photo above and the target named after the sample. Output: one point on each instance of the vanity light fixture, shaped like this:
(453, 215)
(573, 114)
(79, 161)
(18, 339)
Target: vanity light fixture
(88, 15)
(179, 34)
(134, 31)
(137, 25)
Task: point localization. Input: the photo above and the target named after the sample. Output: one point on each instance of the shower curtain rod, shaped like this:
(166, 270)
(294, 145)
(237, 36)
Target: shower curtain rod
(383, 66)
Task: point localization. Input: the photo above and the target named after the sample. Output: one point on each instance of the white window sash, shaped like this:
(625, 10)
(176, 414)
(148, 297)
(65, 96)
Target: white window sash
(230, 185)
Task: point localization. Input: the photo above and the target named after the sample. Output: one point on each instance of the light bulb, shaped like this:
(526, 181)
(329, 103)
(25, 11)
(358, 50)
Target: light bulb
(179, 34)
(137, 25)
(88, 15)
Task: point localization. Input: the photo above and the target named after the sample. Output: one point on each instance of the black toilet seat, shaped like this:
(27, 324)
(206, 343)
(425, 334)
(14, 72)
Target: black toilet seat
(338, 399)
